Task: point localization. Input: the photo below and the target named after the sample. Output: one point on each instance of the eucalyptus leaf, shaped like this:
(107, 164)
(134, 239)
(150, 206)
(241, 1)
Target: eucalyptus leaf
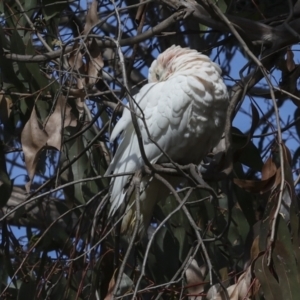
(27, 289)
(52, 9)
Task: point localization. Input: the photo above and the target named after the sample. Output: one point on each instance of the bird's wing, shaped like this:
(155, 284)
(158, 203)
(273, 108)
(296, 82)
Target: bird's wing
(140, 101)
(162, 111)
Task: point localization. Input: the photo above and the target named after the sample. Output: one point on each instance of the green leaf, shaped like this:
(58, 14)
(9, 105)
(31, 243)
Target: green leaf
(8, 67)
(285, 263)
(294, 222)
(245, 151)
(283, 277)
(60, 289)
(43, 109)
(10, 77)
(203, 29)
(18, 47)
(296, 156)
(269, 286)
(244, 198)
(297, 116)
(5, 182)
(166, 253)
(3, 271)
(28, 72)
(27, 289)
(5, 188)
(125, 286)
(242, 230)
(37, 79)
(29, 8)
(222, 5)
(182, 238)
(78, 169)
(52, 8)
(97, 164)
(265, 224)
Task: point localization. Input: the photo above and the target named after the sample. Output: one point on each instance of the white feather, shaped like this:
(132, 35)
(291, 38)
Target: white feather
(185, 114)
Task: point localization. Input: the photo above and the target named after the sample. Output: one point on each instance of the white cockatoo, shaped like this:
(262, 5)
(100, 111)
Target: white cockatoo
(184, 108)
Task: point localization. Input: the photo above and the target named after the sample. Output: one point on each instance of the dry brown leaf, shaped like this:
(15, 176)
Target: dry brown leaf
(91, 17)
(237, 291)
(241, 289)
(216, 292)
(255, 248)
(256, 186)
(233, 292)
(124, 287)
(287, 155)
(96, 62)
(289, 192)
(268, 170)
(111, 286)
(79, 102)
(194, 278)
(92, 68)
(37, 136)
(270, 178)
(76, 63)
(140, 12)
(290, 64)
(75, 58)
(5, 107)
(256, 287)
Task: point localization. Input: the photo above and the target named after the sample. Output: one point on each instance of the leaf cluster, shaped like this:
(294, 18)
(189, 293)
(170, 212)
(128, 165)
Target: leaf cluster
(65, 72)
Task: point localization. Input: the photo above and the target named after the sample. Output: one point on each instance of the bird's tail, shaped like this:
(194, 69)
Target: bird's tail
(124, 161)
(152, 191)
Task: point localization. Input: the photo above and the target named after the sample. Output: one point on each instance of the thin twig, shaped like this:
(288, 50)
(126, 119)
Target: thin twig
(279, 135)
(142, 273)
(136, 182)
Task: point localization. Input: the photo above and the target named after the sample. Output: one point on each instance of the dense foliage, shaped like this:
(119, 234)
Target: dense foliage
(67, 68)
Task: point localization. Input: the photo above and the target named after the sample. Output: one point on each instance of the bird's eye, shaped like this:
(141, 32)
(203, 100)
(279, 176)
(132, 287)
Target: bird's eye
(157, 76)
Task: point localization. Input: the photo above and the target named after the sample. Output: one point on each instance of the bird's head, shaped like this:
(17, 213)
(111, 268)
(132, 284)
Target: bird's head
(172, 60)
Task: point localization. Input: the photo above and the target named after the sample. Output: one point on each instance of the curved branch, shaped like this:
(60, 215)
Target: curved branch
(179, 15)
(256, 31)
(39, 214)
